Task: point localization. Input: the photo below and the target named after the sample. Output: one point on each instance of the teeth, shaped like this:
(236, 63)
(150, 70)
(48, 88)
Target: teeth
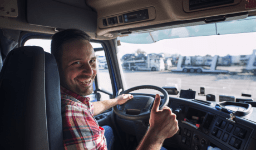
(85, 82)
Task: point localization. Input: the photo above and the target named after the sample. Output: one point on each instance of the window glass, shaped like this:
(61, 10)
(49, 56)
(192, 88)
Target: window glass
(221, 61)
(44, 43)
(104, 82)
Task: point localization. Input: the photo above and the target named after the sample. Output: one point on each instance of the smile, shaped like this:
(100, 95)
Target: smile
(86, 82)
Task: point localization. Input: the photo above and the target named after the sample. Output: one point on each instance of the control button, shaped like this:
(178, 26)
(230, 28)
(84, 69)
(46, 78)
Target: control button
(230, 127)
(205, 131)
(112, 20)
(196, 147)
(185, 131)
(236, 131)
(188, 142)
(125, 18)
(214, 131)
(225, 137)
(242, 133)
(223, 124)
(105, 22)
(203, 141)
(218, 122)
(120, 19)
(219, 134)
(183, 139)
(232, 141)
(188, 133)
(115, 20)
(196, 138)
(237, 143)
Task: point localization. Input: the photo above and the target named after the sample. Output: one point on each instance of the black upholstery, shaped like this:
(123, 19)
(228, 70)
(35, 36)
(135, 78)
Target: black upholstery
(30, 101)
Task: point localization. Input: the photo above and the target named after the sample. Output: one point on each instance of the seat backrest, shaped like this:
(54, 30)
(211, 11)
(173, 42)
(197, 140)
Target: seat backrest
(30, 101)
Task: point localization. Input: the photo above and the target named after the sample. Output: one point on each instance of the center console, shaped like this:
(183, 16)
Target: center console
(202, 126)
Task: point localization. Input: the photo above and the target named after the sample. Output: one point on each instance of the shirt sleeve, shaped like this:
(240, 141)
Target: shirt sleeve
(80, 131)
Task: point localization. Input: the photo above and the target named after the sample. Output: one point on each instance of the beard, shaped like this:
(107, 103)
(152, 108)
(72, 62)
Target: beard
(84, 91)
(82, 88)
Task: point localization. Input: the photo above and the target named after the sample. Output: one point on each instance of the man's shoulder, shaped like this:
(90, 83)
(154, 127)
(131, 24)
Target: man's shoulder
(70, 105)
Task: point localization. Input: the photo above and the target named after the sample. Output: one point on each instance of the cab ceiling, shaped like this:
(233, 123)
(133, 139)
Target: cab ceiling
(166, 11)
(47, 15)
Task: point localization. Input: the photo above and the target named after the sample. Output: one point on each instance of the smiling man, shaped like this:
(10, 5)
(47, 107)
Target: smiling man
(77, 67)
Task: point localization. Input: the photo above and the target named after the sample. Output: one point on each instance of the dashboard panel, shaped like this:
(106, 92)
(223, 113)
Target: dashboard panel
(202, 125)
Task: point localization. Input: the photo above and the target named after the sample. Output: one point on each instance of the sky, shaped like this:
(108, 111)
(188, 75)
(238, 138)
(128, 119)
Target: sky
(222, 45)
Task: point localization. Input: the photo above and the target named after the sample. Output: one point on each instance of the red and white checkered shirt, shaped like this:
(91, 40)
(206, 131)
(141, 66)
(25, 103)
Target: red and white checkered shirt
(80, 130)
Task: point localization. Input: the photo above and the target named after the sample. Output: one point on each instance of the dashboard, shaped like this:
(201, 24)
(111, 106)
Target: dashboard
(202, 125)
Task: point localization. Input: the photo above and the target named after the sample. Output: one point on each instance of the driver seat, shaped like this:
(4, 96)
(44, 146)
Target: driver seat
(30, 101)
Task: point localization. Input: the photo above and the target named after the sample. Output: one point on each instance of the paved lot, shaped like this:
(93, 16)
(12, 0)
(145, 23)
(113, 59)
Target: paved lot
(217, 84)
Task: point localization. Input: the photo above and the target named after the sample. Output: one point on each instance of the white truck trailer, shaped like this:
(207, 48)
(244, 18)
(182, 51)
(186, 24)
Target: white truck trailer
(151, 62)
(251, 65)
(198, 69)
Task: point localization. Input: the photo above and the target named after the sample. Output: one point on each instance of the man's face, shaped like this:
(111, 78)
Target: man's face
(78, 67)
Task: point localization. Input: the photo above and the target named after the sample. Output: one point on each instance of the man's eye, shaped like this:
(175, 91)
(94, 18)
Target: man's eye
(76, 63)
(92, 61)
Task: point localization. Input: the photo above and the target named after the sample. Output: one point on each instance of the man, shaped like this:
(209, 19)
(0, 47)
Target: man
(77, 67)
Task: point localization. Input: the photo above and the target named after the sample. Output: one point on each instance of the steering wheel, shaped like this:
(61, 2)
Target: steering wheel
(139, 107)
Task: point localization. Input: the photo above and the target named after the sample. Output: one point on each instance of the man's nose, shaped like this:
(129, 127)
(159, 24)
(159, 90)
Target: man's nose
(87, 69)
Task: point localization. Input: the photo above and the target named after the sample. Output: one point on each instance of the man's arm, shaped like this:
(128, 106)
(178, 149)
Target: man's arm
(163, 124)
(102, 106)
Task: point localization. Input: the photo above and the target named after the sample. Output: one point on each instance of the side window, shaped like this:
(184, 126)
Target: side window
(103, 76)
(44, 43)
(104, 85)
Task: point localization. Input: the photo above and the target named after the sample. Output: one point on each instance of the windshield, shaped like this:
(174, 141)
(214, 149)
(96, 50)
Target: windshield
(217, 57)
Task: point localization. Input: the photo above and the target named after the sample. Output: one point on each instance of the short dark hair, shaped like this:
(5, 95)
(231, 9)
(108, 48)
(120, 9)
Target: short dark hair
(65, 36)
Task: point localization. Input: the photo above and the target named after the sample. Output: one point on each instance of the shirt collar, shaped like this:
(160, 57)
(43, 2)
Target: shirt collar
(65, 91)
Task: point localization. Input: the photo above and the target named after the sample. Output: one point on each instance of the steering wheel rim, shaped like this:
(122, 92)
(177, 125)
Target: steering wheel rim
(145, 115)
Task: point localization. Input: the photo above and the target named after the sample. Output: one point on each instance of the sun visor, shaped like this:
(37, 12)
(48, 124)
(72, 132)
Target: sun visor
(219, 28)
(61, 15)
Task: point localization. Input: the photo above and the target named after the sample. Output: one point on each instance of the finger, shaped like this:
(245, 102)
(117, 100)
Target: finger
(156, 104)
(127, 96)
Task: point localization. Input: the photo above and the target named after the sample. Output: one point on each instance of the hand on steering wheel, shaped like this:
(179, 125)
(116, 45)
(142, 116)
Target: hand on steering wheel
(162, 122)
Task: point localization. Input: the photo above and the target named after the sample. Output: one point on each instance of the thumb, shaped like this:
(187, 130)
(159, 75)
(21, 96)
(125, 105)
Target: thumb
(156, 104)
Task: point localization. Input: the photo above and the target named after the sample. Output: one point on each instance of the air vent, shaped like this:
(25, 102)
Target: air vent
(202, 102)
(198, 4)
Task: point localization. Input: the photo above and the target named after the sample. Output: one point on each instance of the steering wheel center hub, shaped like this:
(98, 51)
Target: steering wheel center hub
(139, 107)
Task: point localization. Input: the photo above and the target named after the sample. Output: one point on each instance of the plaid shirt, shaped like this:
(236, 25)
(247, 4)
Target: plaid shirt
(80, 130)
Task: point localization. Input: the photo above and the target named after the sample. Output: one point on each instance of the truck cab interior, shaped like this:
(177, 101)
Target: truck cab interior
(138, 45)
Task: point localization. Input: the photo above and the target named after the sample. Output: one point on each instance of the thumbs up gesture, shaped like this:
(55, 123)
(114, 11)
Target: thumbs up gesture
(163, 122)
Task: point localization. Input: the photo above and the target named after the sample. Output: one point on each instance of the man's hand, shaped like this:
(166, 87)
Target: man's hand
(121, 99)
(101, 106)
(163, 122)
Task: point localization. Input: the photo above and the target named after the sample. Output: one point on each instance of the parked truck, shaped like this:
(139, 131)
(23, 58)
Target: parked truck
(235, 60)
(225, 61)
(197, 68)
(251, 65)
(153, 62)
(168, 63)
